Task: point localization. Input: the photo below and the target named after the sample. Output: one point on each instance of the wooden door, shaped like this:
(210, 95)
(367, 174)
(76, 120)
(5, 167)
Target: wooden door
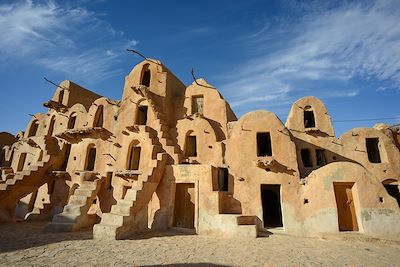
(345, 206)
(184, 205)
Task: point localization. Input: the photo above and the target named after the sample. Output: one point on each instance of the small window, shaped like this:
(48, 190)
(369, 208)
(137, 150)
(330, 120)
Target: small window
(309, 120)
(109, 180)
(72, 121)
(142, 115)
(134, 158)
(34, 128)
(21, 162)
(306, 158)
(197, 104)
(51, 127)
(223, 179)
(320, 155)
(191, 146)
(373, 150)
(61, 96)
(91, 158)
(98, 118)
(264, 147)
(146, 76)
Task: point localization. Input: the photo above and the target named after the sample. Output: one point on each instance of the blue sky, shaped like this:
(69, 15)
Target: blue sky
(259, 54)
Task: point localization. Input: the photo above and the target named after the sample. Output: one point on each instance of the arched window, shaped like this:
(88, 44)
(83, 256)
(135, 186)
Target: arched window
(146, 76)
(133, 157)
(61, 96)
(51, 127)
(191, 146)
(309, 119)
(90, 158)
(72, 121)
(98, 118)
(34, 128)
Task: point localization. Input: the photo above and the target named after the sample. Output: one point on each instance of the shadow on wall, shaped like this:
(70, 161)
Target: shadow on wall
(31, 234)
(311, 157)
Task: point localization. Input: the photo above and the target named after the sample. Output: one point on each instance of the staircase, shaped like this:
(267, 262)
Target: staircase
(162, 129)
(20, 184)
(75, 214)
(120, 222)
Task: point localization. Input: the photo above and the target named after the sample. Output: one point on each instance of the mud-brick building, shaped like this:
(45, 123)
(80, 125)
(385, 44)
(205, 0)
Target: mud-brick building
(169, 156)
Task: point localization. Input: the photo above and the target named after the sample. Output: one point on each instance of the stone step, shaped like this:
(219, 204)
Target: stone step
(104, 232)
(131, 194)
(11, 181)
(72, 209)
(125, 202)
(86, 185)
(77, 200)
(123, 210)
(83, 192)
(112, 219)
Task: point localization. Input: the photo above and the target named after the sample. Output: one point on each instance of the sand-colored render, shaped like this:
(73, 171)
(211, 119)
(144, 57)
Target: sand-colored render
(168, 156)
(31, 247)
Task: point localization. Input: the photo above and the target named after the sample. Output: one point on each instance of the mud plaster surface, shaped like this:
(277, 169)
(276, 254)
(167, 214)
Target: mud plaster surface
(24, 244)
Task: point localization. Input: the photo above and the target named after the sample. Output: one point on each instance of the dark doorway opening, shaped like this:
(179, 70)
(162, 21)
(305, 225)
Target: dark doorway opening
(191, 146)
(142, 115)
(309, 120)
(98, 118)
(306, 157)
(34, 128)
(271, 205)
(373, 150)
(51, 127)
(71, 121)
(184, 205)
(393, 191)
(134, 158)
(264, 147)
(66, 158)
(320, 155)
(21, 162)
(146, 77)
(61, 96)
(91, 158)
(223, 179)
(345, 207)
(197, 104)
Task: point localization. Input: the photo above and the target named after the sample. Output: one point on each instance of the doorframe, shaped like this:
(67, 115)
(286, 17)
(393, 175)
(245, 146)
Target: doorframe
(196, 204)
(280, 202)
(356, 201)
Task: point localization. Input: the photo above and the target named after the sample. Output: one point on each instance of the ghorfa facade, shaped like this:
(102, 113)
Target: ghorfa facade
(170, 156)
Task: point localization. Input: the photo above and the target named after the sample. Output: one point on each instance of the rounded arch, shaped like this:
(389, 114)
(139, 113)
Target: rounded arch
(309, 112)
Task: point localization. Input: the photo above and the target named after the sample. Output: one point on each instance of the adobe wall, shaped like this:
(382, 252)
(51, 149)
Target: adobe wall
(319, 215)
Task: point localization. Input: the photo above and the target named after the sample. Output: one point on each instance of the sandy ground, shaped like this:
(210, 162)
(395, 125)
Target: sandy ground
(24, 244)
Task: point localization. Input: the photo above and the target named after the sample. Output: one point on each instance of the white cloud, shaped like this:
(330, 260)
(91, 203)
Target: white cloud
(73, 41)
(333, 45)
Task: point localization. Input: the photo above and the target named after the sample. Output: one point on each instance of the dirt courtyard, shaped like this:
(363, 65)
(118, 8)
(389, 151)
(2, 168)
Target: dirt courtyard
(25, 244)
